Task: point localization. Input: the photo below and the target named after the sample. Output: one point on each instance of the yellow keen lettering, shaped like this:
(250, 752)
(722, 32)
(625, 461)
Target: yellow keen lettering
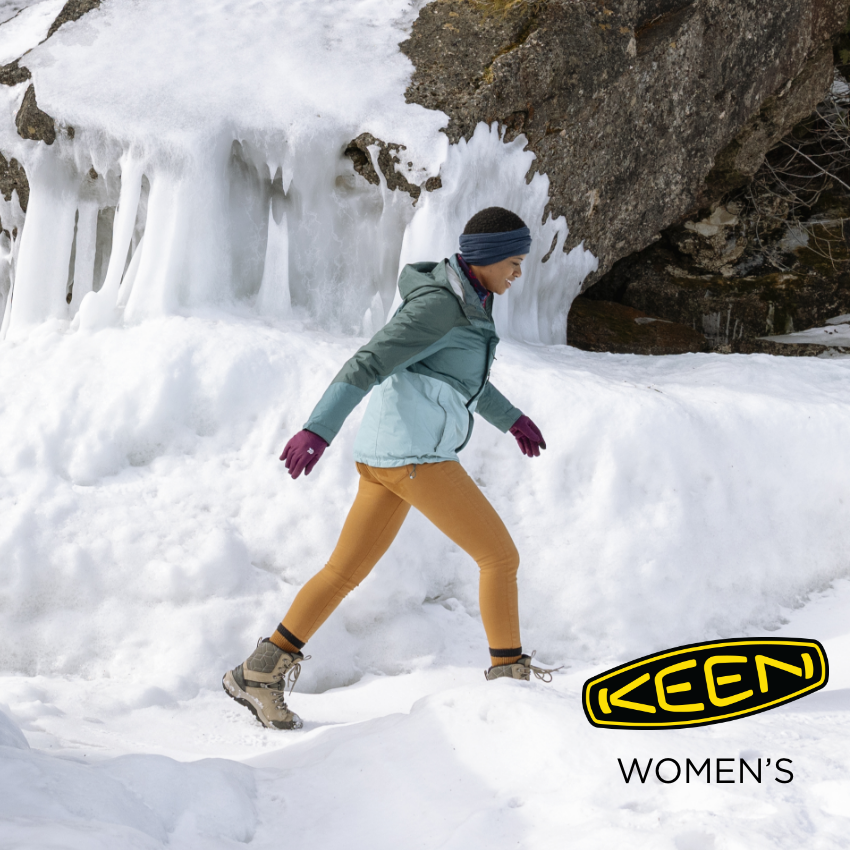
(807, 663)
(763, 662)
(617, 696)
(724, 680)
(662, 689)
(705, 683)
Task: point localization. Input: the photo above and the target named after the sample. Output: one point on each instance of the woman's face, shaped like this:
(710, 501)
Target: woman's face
(498, 277)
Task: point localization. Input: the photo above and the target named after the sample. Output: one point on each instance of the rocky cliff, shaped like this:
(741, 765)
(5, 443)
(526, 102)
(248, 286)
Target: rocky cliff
(639, 111)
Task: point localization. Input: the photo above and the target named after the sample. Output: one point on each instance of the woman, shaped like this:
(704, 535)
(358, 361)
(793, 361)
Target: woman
(429, 367)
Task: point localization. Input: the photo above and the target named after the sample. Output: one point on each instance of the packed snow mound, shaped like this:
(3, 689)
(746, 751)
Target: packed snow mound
(132, 801)
(151, 534)
(516, 765)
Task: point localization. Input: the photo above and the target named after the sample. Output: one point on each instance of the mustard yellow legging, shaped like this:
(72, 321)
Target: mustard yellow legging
(447, 496)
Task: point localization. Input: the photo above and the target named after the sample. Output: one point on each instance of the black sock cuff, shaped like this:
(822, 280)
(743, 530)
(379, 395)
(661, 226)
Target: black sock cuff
(505, 653)
(285, 633)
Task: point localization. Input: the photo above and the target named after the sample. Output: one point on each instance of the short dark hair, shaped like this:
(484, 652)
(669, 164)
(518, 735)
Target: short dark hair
(493, 220)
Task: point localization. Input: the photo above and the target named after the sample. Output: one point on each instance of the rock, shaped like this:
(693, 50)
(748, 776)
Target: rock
(14, 178)
(738, 162)
(606, 326)
(765, 262)
(640, 112)
(32, 123)
(388, 155)
(732, 312)
(715, 242)
(13, 74)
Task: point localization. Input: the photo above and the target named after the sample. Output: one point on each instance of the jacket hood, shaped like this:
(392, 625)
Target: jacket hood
(417, 278)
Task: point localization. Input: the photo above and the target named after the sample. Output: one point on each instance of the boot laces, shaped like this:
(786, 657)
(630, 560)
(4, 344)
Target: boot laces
(542, 673)
(289, 676)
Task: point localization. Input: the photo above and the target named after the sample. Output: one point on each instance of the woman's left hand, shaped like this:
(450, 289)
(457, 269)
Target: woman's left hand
(528, 436)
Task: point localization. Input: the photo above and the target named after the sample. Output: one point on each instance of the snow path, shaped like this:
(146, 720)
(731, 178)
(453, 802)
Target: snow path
(150, 536)
(431, 759)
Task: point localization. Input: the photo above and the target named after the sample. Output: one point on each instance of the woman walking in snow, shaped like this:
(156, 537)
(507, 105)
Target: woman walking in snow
(429, 367)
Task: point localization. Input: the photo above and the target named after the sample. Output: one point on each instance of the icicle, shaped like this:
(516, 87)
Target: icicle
(99, 308)
(41, 280)
(373, 318)
(13, 217)
(130, 276)
(84, 260)
(155, 287)
(396, 212)
(186, 260)
(273, 298)
(5, 277)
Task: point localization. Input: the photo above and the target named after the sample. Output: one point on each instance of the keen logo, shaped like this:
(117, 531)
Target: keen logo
(705, 683)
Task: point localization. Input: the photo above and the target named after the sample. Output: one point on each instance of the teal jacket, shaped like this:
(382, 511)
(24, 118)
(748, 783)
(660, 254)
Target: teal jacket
(429, 367)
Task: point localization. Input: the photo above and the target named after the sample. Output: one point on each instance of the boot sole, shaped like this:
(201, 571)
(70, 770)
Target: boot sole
(228, 683)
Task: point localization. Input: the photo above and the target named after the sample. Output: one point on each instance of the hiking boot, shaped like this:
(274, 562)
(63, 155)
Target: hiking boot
(259, 683)
(521, 669)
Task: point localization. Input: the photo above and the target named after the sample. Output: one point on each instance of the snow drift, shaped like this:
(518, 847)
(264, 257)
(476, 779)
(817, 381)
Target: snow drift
(150, 531)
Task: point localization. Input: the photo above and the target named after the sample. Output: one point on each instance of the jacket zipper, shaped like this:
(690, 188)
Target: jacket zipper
(491, 347)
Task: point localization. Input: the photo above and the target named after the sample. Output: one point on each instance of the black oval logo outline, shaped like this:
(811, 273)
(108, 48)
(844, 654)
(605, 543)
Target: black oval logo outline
(635, 688)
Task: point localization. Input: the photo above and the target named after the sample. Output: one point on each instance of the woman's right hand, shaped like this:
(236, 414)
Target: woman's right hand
(302, 452)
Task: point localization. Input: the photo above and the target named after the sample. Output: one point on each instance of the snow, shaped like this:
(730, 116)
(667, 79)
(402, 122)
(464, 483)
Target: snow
(10, 8)
(151, 536)
(836, 334)
(195, 264)
(28, 27)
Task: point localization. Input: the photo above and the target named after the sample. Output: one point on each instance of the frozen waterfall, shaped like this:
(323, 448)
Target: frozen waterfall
(224, 229)
(195, 180)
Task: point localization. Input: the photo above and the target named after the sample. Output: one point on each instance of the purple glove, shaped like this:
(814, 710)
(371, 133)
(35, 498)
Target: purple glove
(302, 452)
(528, 436)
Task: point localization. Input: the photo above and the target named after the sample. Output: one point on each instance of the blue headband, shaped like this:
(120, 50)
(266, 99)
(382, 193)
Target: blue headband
(484, 249)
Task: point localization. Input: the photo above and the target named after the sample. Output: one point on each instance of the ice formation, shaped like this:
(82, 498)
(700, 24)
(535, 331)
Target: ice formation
(216, 175)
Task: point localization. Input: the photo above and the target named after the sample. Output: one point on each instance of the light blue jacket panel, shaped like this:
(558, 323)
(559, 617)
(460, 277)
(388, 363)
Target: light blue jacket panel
(428, 370)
